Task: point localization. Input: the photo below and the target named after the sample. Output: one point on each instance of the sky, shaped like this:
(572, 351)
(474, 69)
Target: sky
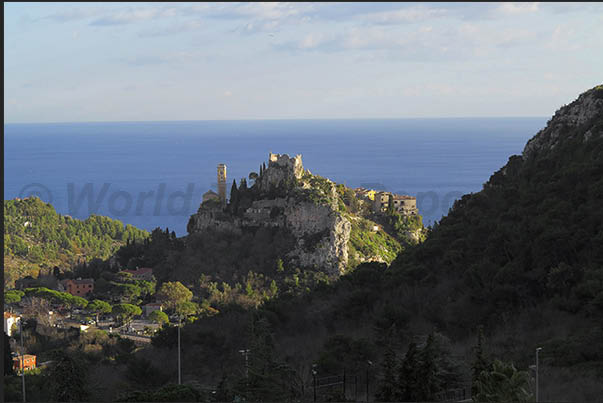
(79, 62)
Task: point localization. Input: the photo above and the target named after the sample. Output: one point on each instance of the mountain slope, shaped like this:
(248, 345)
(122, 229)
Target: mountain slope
(523, 257)
(37, 237)
(535, 231)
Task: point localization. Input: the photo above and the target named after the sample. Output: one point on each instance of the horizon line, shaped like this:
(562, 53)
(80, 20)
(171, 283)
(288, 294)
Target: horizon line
(272, 119)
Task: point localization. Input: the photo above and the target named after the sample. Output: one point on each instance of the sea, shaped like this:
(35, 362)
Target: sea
(153, 174)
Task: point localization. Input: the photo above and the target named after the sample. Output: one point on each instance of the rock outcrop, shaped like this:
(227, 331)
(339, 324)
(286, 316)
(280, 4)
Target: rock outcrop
(281, 200)
(569, 121)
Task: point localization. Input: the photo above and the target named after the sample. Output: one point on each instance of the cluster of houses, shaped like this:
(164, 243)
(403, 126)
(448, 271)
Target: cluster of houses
(380, 201)
(79, 287)
(26, 361)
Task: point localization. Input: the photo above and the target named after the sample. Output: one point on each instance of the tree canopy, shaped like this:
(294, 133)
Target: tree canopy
(125, 312)
(173, 293)
(158, 317)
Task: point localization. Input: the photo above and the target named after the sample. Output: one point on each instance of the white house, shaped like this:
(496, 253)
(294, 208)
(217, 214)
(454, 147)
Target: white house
(9, 321)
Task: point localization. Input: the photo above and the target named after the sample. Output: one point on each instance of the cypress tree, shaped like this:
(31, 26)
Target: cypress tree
(388, 388)
(480, 362)
(8, 359)
(428, 371)
(408, 381)
(234, 195)
(390, 204)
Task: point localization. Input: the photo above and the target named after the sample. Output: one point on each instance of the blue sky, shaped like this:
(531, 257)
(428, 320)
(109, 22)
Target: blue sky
(77, 62)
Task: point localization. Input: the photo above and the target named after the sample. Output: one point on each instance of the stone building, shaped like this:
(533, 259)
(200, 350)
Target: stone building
(365, 194)
(142, 273)
(403, 204)
(78, 287)
(210, 195)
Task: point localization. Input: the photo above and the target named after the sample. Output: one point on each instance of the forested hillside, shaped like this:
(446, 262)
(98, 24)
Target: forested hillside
(37, 237)
(522, 259)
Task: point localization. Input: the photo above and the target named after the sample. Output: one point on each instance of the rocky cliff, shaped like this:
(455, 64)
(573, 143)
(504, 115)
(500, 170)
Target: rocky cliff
(287, 196)
(580, 118)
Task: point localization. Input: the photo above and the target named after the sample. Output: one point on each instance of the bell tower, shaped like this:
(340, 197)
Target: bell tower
(222, 183)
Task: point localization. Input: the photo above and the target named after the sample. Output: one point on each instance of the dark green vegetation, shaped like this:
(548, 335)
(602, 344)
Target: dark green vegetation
(224, 268)
(516, 266)
(36, 237)
(81, 366)
(523, 258)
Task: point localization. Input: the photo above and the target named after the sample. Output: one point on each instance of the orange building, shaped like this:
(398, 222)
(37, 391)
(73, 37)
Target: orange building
(28, 362)
(79, 287)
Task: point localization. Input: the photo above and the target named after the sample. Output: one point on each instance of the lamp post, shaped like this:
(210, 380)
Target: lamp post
(537, 391)
(314, 379)
(22, 357)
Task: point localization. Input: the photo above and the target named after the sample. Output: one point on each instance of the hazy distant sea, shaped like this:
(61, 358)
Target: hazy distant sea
(69, 164)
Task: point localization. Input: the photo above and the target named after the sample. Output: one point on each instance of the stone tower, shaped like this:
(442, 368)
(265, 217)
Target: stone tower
(222, 183)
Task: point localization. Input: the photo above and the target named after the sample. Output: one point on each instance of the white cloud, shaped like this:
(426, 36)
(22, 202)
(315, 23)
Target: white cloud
(518, 8)
(178, 28)
(563, 38)
(311, 41)
(132, 15)
(268, 10)
(78, 13)
(406, 15)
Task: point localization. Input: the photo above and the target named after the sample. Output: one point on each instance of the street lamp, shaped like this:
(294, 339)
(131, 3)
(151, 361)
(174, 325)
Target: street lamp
(22, 356)
(314, 372)
(537, 350)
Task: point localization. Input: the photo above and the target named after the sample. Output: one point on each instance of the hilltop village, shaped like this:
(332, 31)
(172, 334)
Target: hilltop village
(285, 195)
(379, 201)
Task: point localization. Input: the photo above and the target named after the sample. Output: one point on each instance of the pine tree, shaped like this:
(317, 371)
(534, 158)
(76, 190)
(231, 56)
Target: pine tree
(388, 387)
(268, 379)
(480, 363)
(428, 371)
(408, 381)
(234, 196)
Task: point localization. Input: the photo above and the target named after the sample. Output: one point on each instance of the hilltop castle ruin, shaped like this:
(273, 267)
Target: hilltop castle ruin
(286, 196)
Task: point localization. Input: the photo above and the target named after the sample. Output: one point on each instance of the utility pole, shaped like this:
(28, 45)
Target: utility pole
(537, 391)
(179, 367)
(22, 356)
